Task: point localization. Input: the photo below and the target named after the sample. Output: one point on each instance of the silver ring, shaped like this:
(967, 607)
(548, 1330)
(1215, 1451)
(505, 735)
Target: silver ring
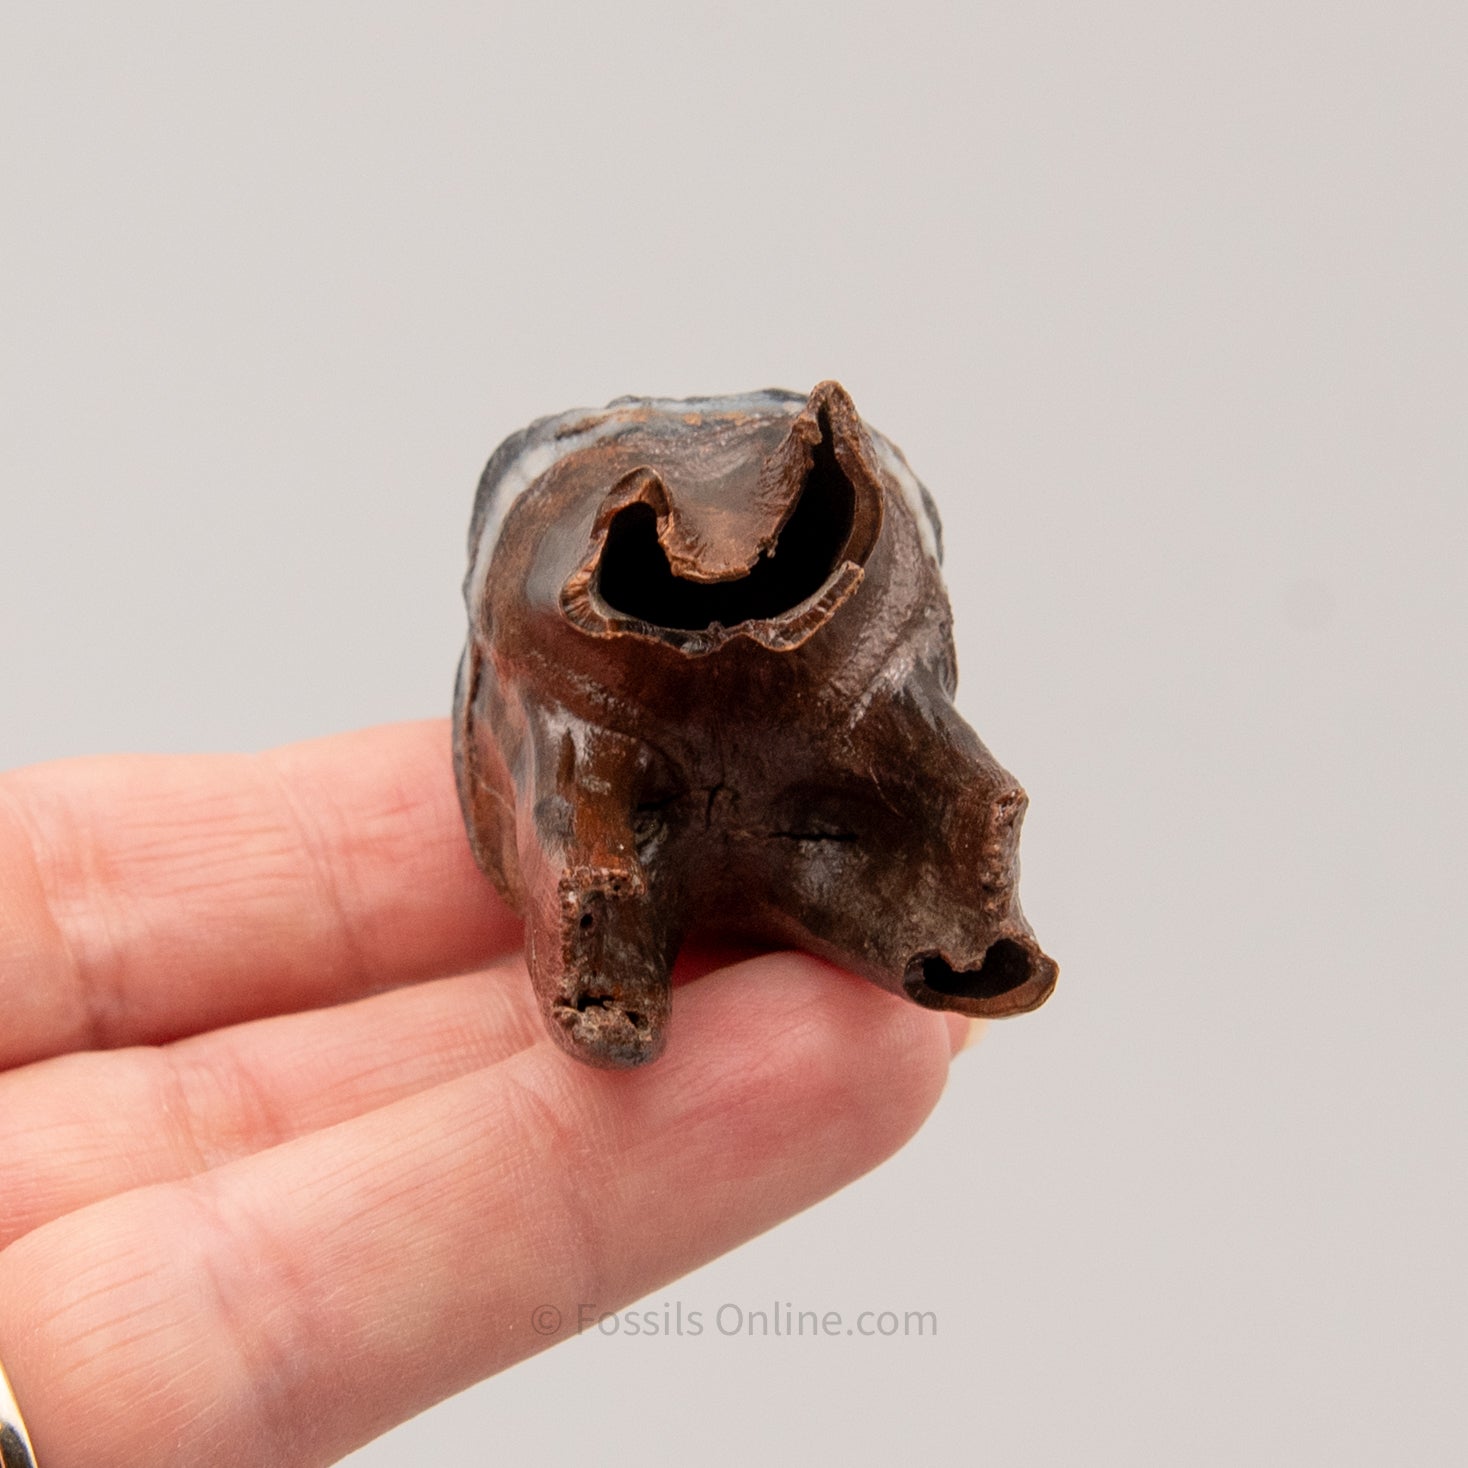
(15, 1442)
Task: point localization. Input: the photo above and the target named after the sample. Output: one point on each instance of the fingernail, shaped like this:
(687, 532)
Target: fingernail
(975, 1033)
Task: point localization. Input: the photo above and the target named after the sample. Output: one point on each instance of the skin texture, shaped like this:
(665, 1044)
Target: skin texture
(708, 688)
(285, 1153)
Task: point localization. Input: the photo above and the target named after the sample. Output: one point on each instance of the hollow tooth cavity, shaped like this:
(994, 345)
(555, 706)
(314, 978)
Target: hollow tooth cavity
(635, 578)
(1005, 968)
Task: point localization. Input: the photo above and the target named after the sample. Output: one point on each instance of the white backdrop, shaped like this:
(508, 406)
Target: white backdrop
(1167, 305)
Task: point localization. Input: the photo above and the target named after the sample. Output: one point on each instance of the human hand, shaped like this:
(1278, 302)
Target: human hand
(232, 1214)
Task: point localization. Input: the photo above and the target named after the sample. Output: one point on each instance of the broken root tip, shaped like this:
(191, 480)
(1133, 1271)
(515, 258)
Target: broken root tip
(601, 1030)
(1011, 977)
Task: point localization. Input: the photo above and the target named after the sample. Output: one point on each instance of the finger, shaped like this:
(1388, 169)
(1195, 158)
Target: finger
(151, 897)
(307, 1298)
(78, 1128)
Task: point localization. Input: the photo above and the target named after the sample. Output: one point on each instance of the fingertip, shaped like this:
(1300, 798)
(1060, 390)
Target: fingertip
(853, 1067)
(964, 1032)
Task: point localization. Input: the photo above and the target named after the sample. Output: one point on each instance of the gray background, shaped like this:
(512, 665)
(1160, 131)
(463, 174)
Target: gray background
(1167, 305)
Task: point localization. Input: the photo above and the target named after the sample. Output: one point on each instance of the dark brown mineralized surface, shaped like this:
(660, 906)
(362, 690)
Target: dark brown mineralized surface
(708, 686)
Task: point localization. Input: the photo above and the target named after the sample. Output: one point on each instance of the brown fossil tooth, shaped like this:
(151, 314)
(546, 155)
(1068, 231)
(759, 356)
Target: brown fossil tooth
(708, 685)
